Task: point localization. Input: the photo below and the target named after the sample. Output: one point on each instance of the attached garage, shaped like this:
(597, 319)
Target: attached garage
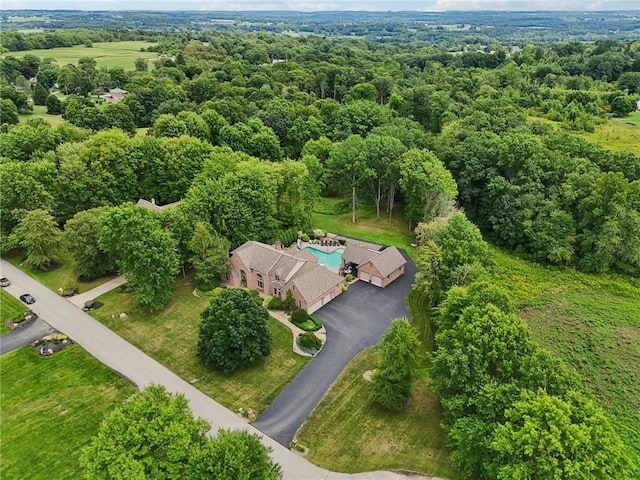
(364, 276)
(377, 281)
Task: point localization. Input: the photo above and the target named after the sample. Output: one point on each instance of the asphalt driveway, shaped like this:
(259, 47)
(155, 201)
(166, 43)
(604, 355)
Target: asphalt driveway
(355, 320)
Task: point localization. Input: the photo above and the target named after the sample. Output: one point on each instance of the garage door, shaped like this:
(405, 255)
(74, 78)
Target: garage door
(315, 306)
(327, 298)
(364, 276)
(377, 281)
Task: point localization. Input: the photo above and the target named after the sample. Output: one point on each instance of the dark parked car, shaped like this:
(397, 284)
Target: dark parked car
(27, 298)
(4, 282)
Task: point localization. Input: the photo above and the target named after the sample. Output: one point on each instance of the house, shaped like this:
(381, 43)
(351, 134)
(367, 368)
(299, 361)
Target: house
(378, 267)
(273, 271)
(115, 95)
(151, 205)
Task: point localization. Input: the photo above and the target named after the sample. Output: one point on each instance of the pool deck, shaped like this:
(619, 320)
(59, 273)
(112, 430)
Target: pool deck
(322, 248)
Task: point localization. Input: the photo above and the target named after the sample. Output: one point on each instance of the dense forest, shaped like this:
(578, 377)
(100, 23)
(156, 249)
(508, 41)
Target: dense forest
(247, 130)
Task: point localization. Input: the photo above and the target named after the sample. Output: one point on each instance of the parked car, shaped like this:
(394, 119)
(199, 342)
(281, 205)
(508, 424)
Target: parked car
(4, 282)
(27, 298)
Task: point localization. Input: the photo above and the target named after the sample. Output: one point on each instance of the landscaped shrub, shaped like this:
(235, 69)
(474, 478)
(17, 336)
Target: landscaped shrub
(274, 303)
(256, 296)
(305, 237)
(299, 315)
(316, 321)
(349, 278)
(309, 340)
(344, 287)
(288, 237)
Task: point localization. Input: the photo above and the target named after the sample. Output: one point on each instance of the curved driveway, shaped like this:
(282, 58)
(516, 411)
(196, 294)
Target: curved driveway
(355, 320)
(141, 370)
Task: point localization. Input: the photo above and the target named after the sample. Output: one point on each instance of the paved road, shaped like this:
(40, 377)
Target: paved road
(23, 335)
(355, 320)
(141, 370)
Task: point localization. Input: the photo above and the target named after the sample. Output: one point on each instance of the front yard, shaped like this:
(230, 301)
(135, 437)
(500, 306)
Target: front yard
(171, 337)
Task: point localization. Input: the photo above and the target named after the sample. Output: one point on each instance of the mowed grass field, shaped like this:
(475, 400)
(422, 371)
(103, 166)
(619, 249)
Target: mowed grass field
(51, 407)
(9, 308)
(591, 322)
(171, 337)
(348, 433)
(619, 134)
(40, 111)
(63, 277)
(106, 54)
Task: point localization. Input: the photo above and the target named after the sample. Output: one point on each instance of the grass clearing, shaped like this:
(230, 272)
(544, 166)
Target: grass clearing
(348, 433)
(171, 337)
(9, 308)
(40, 111)
(591, 322)
(618, 134)
(51, 407)
(106, 54)
(385, 231)
(63, 277)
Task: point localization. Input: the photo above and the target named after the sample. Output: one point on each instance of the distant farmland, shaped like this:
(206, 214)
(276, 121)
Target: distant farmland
(107, 54)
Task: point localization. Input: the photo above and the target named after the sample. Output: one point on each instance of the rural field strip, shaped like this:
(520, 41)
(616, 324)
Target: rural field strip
(142, 370)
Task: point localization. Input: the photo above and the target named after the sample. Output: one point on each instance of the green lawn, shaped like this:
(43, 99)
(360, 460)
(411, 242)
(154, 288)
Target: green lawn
(9, 308)
(348, 433)
(40, 111)
(171, 337)
(385, 231)
(60, 277)
(619, 134)
(106, 54)
(592, 322)
(51, 407)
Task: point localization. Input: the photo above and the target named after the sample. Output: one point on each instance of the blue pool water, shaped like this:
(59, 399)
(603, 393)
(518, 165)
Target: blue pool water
(332, 260)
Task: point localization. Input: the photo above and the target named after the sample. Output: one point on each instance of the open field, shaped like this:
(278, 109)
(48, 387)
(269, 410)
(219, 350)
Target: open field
(51, 407)
(9, 308)
(60, 277)
(106, 54)
(40, 111)
(171, 337)
(591, 322)
(348, 433)
(619, 134)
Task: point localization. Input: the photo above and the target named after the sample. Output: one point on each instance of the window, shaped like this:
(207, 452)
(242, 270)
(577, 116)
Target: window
(260, 282)
(243, 278)
(226, 276)
(277, 292)
(277, 277)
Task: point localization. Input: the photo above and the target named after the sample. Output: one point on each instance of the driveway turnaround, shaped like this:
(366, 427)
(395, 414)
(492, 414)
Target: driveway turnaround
(142, 370)
(355, 320)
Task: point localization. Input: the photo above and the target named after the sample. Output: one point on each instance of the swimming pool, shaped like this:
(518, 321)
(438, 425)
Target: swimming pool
(331, 260)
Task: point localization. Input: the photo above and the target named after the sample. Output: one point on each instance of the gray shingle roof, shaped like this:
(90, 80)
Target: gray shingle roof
(388, 261)
(314, 280)
(297, 268)
(358, 255)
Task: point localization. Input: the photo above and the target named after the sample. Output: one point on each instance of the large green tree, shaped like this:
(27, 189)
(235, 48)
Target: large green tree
(81, 236)
(233, 331)
(209, 255)
(546, 437)
(38, 234)
(155, 435)
(393, 379)
(145, 252)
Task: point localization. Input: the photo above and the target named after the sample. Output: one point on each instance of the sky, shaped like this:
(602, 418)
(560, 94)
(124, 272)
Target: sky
(323, 5)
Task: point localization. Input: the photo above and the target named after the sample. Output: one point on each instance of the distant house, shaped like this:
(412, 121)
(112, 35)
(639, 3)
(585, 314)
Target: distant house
(114, 95)
(151, 205)
(379, 268)
(273, 271)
